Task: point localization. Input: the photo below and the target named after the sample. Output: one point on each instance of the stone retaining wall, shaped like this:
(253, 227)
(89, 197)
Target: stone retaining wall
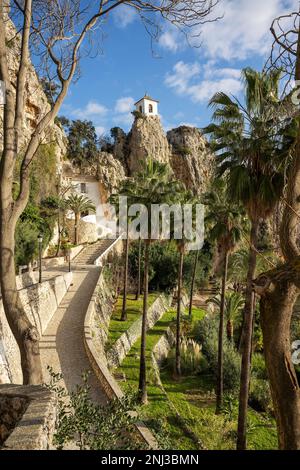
(163, 346)
(35, 409)
(123, 345)
(40, 302)
(95, 353)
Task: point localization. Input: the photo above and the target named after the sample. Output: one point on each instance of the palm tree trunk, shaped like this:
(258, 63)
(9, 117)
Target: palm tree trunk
(124, 303)
(142, 379)
(219, 390)
(193, 282)
(246, 344)
(76, 237)
(229, 330)
(138, 290)
(179, 296)
(59, 235)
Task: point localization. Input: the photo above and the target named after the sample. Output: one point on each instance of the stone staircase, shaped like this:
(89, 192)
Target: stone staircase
(89, 254)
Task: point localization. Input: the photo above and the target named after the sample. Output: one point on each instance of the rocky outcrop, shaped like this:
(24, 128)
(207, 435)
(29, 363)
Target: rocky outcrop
(36, 103)
(147, 139)
(190, 159)
(110, 173)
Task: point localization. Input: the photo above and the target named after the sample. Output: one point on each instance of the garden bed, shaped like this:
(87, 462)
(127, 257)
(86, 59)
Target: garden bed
(134, 311)
(193, 397)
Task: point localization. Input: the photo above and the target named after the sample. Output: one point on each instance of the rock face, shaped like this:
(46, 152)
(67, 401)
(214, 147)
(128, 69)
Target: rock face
(190, 158)
(36, 103)
(110, 173)
(147, 139)
(184, 149)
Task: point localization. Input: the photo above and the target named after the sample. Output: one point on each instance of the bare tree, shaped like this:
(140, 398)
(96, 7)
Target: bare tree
(279, 288)
(59, 33)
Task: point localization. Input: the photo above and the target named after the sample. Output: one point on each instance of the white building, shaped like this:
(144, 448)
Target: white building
(89, 186)
(147, 105)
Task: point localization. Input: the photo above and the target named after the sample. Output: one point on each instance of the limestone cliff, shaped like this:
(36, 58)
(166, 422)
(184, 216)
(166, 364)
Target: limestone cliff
(190, 158)
(147, 139)
(110, 173)
(36, 103)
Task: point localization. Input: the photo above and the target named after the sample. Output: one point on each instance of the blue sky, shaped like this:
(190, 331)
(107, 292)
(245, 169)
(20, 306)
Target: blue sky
(181, 77)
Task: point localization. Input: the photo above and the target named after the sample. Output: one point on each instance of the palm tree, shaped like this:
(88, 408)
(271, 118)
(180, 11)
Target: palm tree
(152, 185)
(184, 197)
(224, 221)
(251, 152)
(138, 288)
(234, 303)
(78, 203)
(113, 199)
(193, 282)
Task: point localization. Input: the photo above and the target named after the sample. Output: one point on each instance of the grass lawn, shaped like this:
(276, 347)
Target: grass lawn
(194, 398)
(134, 311)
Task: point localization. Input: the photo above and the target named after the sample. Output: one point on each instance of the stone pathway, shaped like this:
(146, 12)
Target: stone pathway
(61, 345)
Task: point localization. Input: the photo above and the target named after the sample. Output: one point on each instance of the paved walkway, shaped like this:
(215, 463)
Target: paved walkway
(61, 345)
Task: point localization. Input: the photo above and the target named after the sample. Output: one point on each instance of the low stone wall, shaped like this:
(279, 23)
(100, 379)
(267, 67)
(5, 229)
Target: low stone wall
(24, 280)
(60, 260)
(98, 361)
(163, 346)
(27, 417)
(40, 302)
(123, 345)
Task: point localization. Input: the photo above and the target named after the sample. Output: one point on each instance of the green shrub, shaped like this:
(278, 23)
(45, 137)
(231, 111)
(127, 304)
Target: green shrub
(206, 333)
(231, 368)
(164, 265)
(91, 426)
(182, 149)
(258, 369)
(260, 396)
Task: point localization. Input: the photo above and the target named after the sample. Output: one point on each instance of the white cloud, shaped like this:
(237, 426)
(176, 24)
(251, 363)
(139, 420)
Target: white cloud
(100, 130)
(124, 15)
(124, 105)
(244, 29)
(187, 80)
(123, 119)
(171, 40)
(92, 109)
(181, 76)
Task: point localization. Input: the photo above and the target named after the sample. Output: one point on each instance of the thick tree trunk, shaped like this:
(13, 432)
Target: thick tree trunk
(26, 335)
(142, 379)
(247, 341)
(193, 282)
(276, 308)
(178, 317)
(124, 303)
(138, 290)
(219, 388)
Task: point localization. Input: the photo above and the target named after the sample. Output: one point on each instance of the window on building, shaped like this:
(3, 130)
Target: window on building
(83, 188)
(150, 108)
(141, 109)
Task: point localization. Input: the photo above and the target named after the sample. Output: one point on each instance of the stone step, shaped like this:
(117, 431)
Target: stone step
(89, 254)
